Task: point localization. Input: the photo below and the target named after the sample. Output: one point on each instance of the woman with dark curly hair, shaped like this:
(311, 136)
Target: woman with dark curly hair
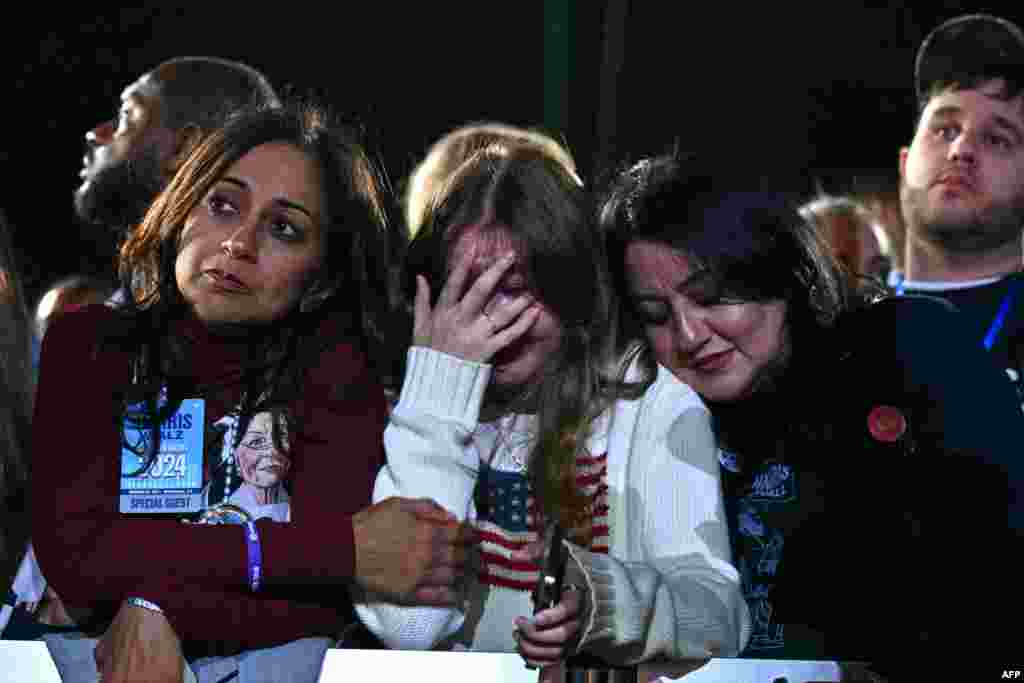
(256, 289)
(866, 444)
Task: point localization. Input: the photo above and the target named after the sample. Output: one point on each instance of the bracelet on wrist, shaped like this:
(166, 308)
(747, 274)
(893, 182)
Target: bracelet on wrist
(144, 604)
(255, 555)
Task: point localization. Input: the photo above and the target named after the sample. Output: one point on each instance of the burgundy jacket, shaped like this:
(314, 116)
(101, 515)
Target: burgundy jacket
(95, 557)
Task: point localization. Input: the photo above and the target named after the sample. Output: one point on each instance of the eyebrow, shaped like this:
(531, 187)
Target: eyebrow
(1009, 125)
(280, 201)
(1000, 120)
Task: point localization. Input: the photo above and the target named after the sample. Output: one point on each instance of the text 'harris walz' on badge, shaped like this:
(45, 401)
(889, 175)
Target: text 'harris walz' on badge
(173, 481)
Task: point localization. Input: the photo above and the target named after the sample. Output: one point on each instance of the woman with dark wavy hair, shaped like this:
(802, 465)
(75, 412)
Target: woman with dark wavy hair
(514, 415)
(256, 289)
(30, 607)
(844, 422)
(16, 394)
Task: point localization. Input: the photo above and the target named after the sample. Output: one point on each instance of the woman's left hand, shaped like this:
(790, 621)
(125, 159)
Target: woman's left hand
(139, 647)
(543, 639)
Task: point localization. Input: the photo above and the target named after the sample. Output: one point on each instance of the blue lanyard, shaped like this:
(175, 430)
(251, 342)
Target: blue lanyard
(997, 322)
(899, 287)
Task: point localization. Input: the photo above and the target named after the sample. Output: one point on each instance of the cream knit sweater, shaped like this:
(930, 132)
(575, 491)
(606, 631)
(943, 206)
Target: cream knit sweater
(666, 588)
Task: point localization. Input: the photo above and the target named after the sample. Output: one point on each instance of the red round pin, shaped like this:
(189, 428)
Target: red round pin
(886, 423)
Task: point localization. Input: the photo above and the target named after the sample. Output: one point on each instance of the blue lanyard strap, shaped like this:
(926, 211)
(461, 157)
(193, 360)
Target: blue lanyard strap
(997, 323)
(896, 280)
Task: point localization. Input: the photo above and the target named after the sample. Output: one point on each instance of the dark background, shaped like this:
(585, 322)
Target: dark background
(828, 91)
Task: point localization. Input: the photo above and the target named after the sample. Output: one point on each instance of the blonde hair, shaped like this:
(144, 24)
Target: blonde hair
(453, 149)
(843, 223)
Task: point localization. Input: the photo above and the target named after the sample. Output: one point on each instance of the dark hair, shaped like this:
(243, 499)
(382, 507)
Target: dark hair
(523, 190)
(352, 282)
(966, 52)
(749, 234)
(204, 91)
(16, 397)
(750, 237)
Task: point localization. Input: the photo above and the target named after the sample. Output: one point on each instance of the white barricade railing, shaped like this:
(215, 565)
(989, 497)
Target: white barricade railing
(341, 665)
(31, 662)
(27, 661)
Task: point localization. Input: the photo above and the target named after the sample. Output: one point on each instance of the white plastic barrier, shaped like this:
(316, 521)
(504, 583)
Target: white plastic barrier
(31, 662)
(762, 671)
(27, 661)
(340, 666)
(392, 665)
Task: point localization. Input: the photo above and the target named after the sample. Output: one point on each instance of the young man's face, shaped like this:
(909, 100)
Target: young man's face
(962, 178)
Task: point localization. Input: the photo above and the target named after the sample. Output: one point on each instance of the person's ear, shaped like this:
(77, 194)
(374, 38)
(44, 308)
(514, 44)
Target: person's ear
(904, 153)
(186, 139)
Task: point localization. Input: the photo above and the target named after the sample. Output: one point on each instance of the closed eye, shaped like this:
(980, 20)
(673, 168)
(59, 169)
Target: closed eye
(651, 311)
(713, 300)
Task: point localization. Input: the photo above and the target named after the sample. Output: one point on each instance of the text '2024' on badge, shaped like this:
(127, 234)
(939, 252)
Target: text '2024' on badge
(172, 480)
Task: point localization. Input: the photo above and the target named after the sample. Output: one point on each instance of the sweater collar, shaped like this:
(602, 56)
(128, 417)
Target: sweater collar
(220, 355)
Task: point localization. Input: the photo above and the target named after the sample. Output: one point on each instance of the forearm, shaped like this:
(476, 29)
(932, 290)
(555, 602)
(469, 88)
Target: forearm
(404, 627)
(245, 621)
(96, 555)
(676, 608)
(427, 457)
(667, 588)
(427, 439)
(408, 628)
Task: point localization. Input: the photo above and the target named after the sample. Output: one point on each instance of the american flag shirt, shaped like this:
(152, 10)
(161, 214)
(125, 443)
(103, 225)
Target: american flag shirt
(507, 518)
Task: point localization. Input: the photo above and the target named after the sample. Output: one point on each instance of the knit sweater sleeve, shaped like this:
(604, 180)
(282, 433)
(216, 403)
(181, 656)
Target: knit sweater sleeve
(95, 557)
(669, 588)
(429, 455)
